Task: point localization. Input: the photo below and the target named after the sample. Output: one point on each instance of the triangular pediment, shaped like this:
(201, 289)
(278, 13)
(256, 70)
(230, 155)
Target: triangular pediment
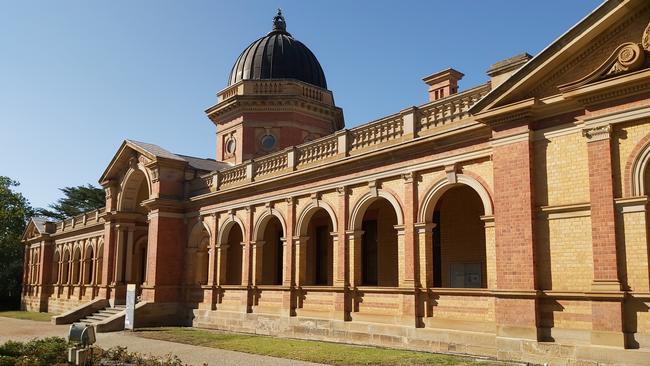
(589, 51)
(35, 228)
(132, 152)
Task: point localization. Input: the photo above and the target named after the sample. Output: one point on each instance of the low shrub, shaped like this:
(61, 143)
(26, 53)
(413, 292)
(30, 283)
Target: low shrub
(53, 351)
(120, 356)
(38, 352)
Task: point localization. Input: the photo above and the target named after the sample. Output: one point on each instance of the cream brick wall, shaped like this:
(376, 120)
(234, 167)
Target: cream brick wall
(561, 170)
(427, 180)
(565, 257)
(634, 239)
(625, 137)
(483, 169)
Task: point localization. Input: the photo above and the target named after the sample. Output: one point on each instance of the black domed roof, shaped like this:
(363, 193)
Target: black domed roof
(278, 56)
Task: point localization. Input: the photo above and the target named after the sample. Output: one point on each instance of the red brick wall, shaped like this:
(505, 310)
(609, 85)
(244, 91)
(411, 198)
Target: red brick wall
(601, 192)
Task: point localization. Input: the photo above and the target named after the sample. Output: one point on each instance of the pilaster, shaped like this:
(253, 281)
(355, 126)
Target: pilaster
(516, 304)
(607, 315)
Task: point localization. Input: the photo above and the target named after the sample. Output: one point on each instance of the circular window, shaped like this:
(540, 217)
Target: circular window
(268, 142)
(231, 145)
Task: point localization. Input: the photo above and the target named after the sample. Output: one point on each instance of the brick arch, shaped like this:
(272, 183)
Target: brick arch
(428, 203)
(260, 224)
(309, 211)
(195, 237)
(129, 187)
(637, 163)
(356, 217)
(226, 226)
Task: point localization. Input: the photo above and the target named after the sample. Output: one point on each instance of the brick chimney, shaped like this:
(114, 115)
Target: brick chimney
(501, 70)
(443, 84)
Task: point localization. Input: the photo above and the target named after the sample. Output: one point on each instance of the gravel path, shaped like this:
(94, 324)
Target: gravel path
(16, 329)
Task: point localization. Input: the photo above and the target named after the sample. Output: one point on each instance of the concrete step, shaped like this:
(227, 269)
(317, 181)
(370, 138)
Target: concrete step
(111, 311)
(95, 317)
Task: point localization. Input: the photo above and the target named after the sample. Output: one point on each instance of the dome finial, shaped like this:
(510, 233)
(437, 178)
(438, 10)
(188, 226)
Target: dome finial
(279, 25)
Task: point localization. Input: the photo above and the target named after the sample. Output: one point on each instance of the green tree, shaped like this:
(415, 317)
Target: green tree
(14, 213)
(76, 200)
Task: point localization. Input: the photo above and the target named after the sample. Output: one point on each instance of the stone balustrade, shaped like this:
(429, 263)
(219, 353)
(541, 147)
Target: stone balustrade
(407, 125)
(80, 221)
(278, 87)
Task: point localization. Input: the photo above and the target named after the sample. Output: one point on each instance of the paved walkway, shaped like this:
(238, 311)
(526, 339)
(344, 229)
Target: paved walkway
(16, 329)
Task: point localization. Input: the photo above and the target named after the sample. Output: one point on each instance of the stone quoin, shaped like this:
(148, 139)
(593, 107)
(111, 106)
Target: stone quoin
(508, 220)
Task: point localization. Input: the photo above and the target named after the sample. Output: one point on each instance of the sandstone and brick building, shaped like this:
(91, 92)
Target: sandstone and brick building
(509, 219)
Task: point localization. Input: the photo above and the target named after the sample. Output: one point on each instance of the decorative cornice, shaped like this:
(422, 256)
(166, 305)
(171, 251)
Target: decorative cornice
(597, 133)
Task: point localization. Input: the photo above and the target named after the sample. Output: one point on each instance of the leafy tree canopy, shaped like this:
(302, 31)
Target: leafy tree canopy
(76, 201)
(14, 213)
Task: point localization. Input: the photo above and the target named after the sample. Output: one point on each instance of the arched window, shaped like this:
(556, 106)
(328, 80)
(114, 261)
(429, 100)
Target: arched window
(76, 262)
(65, 267)
(100, 262)
(88, 266)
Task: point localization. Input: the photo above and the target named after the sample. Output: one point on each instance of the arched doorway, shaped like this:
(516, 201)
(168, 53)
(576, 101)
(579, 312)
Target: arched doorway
(379, 247)
(197, 255)
(233, 251)
(132, 232)
(319, 251)
(459, 246)
(271, 255)
(140, 261)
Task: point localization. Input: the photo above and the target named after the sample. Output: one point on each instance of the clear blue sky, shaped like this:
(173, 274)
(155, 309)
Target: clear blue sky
(78, 77)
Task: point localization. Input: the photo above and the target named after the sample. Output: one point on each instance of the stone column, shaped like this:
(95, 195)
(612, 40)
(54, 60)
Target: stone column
(607, 313)
(354, 238)
(516, 302)
(222, 263)
(258, 252)
(342, 300)
(119, 254)
(300, 247)
(289, 297)
(425, 253)
(402, 280)
(129, 254)
(247, 260)
(408, 251)
(213, 253)
(490, 252)
(108, 261)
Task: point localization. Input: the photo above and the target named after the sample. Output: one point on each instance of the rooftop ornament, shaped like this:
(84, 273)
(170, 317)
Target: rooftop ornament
(279, 24)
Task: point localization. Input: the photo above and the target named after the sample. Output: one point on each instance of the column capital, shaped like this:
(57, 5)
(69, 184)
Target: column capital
(258, 244)
(298, 240)
(422, 227)
(353, 234)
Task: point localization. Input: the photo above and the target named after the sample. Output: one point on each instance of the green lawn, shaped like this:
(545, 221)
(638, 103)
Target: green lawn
(321, 352)
(27, 315)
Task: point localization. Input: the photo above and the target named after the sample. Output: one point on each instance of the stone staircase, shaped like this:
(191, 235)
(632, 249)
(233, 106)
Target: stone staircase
(102, 314)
